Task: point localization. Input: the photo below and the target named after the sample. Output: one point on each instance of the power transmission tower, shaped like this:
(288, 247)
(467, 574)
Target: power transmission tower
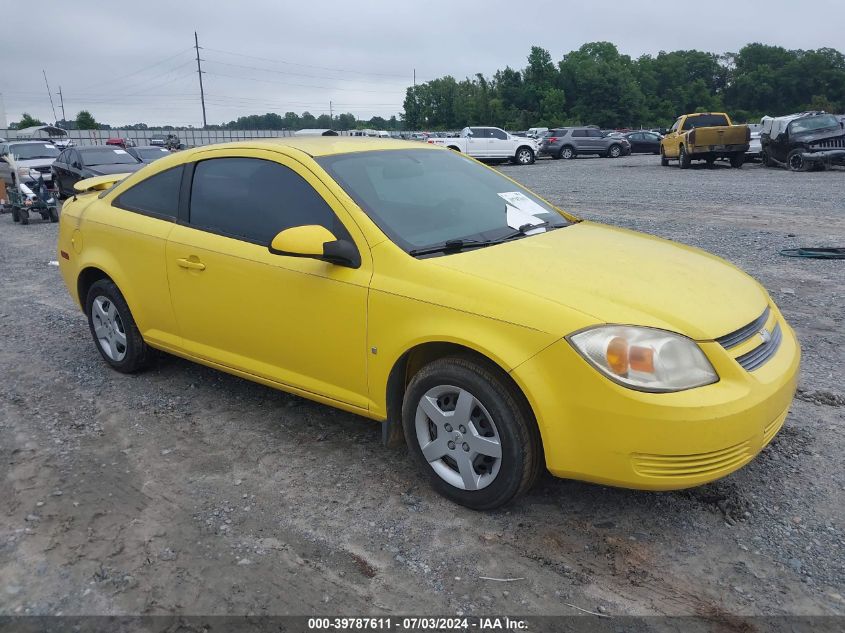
(50, 94)
(199, 73)
(62, 102)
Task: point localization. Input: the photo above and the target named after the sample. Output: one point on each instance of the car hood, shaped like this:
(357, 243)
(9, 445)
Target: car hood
(36, 162)
(101, 170)
(620, 276)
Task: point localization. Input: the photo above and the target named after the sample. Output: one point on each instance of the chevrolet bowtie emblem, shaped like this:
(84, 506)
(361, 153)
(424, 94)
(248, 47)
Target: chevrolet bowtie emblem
(765, 335)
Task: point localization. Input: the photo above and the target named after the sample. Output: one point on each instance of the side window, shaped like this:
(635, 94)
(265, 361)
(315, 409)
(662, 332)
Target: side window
(157, 196)
(253, 199)
(675, 125)
(499, 134)
(560, 133)
(579, 133)
(477, 132)
(595, 134)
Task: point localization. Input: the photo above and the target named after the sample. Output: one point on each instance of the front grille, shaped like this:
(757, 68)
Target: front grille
(831, 143)
(43, 170)
(759, 355)
(745, 332)
(695, 465)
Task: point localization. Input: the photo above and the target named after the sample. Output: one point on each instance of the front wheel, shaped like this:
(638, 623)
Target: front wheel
(524, 156)
(663, 160)
(23, 215)
(115, 334)
(615, 151)
(795, 160)
(471, 435)
(54, 214)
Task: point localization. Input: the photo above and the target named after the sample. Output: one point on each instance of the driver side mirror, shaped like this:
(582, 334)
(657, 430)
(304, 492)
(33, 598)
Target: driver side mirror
(315, 242)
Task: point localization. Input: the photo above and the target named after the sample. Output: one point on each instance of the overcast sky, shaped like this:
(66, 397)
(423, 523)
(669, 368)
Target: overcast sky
(134, 62)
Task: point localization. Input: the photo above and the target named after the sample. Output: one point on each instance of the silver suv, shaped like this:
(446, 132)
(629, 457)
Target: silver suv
(24, 162)
(568, 142)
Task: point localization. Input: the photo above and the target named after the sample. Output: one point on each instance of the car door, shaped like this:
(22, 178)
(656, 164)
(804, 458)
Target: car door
(580, 141)
(499, 145)
(636, 140)
(297, 322)
(671, 142)
(478, 143)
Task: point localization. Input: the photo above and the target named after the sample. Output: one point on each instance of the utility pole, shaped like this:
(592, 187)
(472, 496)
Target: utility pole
(62, 101)
(331, 116)
(416, 123)
(50, 94)
(199, 73)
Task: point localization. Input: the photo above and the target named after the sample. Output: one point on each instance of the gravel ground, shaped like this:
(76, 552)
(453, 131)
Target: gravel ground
(187, 491)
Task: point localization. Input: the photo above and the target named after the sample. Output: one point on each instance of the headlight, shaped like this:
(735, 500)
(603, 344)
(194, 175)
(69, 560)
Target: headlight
(25, 172)
(645, 359)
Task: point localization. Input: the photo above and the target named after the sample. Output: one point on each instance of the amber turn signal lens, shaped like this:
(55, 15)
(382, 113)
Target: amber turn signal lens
(617, 355)
(641, 359)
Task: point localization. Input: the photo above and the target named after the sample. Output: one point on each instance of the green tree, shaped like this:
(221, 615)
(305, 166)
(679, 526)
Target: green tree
(28, 121)
(85, 121)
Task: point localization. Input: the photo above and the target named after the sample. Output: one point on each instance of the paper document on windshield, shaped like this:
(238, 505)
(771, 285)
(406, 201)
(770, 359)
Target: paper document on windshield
(520, 210)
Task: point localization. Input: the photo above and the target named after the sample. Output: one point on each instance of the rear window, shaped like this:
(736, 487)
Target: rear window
(705, 120)
(107, 156)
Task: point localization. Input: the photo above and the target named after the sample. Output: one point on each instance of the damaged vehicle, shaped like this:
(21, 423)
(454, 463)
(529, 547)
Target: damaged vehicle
(803, 141)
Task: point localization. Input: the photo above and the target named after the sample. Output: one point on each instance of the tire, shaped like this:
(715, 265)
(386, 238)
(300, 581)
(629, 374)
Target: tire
(113, 328)
(683, 158)
(795, 160)
(23, 216)
(53, 214)
(614, 151)
(664, 162)
(766, 160)
(737, 160)
(567, 152)
(496, 421)
(524, 156)
(15, 217)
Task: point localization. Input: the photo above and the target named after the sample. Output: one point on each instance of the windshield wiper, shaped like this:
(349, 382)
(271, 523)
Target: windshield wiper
(451, 245)
(525, 228)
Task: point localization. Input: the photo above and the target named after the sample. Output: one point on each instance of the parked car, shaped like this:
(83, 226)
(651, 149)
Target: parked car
(705, 136)
(148, 153)
(518, 365)
(537, 132)
(644, 142)
(491, 143)
(755, 146)
(24, 162)
(122, 143)
(569, 142)
(171, 142)
(802, 141)
(78, 163)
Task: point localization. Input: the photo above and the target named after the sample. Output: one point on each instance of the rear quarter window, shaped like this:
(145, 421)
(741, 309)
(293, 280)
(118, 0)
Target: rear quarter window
(157, 196)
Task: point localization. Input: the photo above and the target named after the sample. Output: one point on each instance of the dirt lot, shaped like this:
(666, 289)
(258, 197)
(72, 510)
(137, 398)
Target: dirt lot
(184, 490)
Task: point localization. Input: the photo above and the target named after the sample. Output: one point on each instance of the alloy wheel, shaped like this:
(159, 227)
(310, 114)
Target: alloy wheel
(524, 157)
(108, 327)
(458, 437)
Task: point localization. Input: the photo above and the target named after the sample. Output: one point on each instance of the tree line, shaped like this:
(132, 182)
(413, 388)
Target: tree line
(596, 84)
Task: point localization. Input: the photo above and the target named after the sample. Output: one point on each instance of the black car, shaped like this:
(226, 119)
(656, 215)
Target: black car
(807, 140)
(78, 163)
(644, 142)
(148, 153)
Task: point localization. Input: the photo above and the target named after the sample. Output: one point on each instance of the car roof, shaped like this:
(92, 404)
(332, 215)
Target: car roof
(317, 145)
(31, 142)
(147, 147)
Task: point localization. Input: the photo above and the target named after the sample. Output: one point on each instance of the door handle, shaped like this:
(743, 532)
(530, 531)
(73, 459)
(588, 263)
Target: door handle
(190, 264)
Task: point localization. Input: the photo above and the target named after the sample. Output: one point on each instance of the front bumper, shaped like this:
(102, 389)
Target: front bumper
(596, 430)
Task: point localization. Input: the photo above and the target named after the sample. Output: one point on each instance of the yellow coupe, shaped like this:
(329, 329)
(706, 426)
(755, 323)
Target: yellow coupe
(413, 285)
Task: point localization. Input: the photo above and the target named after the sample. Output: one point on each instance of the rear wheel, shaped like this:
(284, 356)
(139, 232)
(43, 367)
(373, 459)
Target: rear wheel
(468, 431)
(737, 160)
(567, 152)
(23, 215)
(113, 328)
(15, 216)
(683, 158)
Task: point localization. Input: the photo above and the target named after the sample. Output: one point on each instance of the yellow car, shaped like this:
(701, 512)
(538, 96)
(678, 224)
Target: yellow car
(412, 285)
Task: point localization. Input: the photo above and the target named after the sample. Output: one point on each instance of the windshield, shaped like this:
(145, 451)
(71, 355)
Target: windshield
(152, 153)
(813, 123)
(706, 120)
(31, 151)
(107, 156)
(422, 198)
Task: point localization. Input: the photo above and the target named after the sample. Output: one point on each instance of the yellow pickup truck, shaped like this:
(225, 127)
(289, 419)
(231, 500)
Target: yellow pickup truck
(705, 136)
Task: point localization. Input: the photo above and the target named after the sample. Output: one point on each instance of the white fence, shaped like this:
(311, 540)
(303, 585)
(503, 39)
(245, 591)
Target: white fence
(190, 137)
